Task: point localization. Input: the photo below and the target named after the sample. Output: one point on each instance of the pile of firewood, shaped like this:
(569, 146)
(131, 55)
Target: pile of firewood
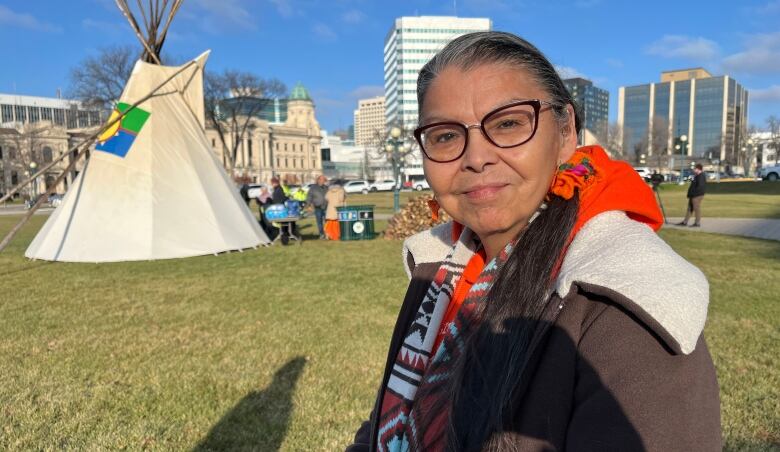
(414, 217)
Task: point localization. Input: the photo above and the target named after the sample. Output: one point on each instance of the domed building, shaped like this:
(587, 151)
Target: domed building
(283, 140)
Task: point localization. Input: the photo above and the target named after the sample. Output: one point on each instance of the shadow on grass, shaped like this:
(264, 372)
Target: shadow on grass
(260, 420)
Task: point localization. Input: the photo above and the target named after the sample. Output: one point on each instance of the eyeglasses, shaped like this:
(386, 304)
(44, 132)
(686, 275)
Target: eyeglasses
(507, 126)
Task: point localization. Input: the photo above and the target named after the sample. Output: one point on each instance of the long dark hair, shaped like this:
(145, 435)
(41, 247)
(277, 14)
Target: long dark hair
(486, 380)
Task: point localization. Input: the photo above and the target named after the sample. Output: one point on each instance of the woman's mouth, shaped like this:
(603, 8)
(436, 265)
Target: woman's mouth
(483, 192)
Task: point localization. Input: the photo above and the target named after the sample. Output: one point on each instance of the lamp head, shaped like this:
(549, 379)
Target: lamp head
(395, 132)
(684, 138)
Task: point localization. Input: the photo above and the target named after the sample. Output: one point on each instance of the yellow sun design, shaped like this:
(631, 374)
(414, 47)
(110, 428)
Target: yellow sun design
(113, 129)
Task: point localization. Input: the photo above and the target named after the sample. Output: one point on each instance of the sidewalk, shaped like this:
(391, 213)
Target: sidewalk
(748, 227)
(760, 228)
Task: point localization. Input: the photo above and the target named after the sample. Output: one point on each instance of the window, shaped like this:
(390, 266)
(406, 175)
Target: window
(1, 153)
(21, 113)
(47, 155)
(7, 113)
(34, 113)
(59, 116)
(213, 143)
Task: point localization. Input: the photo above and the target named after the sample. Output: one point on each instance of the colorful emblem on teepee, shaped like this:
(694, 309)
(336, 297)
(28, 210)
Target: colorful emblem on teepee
(118, 138)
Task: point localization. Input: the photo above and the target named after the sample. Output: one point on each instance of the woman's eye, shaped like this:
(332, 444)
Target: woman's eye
(508, 123)
(445, 137)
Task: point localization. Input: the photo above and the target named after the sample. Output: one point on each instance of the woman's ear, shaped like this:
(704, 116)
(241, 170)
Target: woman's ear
(569, 136)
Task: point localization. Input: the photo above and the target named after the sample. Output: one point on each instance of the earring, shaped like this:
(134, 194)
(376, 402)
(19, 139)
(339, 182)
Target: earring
(434, 206)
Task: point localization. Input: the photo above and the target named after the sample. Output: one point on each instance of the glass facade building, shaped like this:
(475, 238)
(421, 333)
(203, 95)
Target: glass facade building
(593, 103)
(710, 111)
(410, 43)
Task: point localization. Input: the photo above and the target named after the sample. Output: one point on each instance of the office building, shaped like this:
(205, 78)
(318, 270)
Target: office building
(710, 111)
(369, 121)
(594, 109)
(18, 110)
(410, 43)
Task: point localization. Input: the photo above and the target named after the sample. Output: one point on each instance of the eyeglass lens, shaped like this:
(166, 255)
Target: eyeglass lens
(510, 126)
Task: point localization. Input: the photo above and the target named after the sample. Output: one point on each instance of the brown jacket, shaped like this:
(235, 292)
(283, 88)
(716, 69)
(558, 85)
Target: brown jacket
(336, 197)
(613, 372)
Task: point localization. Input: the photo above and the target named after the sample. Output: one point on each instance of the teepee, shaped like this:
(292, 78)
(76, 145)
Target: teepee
(152, 188)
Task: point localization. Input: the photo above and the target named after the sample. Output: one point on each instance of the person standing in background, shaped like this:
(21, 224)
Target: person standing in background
(695, 196)
(316, 199)
(335, 197)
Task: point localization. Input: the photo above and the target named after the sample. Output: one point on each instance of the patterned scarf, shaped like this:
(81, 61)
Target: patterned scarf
(415, 370)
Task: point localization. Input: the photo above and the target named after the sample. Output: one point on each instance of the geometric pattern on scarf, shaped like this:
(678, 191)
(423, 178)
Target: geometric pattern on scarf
(414, 371)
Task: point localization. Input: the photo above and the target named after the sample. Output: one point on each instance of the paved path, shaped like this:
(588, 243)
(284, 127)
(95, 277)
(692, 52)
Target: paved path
(761, 228)
(749, 227)
(18, 209)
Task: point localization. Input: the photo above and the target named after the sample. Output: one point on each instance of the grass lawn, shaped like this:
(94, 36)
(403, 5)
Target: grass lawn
(283, 347)
(727, 199)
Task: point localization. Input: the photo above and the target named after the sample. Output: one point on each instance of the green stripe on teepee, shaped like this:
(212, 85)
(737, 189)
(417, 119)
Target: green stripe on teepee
(134, 119)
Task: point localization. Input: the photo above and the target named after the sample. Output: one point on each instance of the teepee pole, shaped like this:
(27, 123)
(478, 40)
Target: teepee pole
(122, 4)
(8, 237)
(43, 169)
(94, 135)
(86, 143)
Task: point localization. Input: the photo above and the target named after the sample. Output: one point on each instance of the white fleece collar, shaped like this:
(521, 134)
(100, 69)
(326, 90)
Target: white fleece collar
(622, 255)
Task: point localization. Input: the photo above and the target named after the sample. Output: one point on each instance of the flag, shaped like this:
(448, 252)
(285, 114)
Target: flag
(118, 138)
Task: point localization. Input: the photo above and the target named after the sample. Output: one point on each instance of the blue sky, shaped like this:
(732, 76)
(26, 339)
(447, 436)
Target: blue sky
(335, 47)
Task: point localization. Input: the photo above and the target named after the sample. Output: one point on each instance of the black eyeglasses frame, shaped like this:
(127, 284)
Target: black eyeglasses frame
(535, 103)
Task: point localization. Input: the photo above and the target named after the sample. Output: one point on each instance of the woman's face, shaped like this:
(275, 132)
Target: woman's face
(491, 190)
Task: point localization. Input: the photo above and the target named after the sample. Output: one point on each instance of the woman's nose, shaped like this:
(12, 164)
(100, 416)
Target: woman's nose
(479, 151)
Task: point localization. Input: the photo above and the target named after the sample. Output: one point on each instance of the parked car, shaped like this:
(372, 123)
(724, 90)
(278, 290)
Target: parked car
(55, 199)
(420, 185)
(356, 186)
(644, 171)
(253, 190)
(771, 173)
(382, 185)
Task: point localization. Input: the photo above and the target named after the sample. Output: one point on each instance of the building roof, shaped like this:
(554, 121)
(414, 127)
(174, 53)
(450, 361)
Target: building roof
(299, 92)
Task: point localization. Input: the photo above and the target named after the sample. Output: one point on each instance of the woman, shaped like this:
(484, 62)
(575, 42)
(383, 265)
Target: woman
(334, 197)
(548, 315)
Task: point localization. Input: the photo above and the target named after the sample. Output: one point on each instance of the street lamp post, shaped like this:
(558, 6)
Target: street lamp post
(681, 146)
(396, 149)
(33, 166)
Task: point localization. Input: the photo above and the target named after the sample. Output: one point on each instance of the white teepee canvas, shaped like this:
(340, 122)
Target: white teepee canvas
(152, 188)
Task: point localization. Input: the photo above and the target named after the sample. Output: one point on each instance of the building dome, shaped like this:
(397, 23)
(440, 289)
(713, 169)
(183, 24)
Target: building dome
(299, 92)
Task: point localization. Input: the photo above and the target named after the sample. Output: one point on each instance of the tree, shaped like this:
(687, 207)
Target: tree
(233, 100)
(615, 140)
(659, 137)
(98, 81)
(750, 150)
(25, 147)
(773, 126)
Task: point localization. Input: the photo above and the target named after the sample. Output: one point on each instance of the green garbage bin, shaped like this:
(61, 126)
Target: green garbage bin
(356, 222)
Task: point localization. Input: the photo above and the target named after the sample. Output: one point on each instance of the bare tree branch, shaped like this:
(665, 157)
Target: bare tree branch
(233, 100)
(99, 81)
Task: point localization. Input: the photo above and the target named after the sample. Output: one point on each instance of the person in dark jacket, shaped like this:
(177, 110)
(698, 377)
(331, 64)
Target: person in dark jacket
(695, 196)
(316, 199)
(279, 197)
(548, 315)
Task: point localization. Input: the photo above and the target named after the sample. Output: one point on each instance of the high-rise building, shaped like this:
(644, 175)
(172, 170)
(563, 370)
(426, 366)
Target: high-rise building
(369, 120)
(594, 107)
(711, 111)
(410, 43)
